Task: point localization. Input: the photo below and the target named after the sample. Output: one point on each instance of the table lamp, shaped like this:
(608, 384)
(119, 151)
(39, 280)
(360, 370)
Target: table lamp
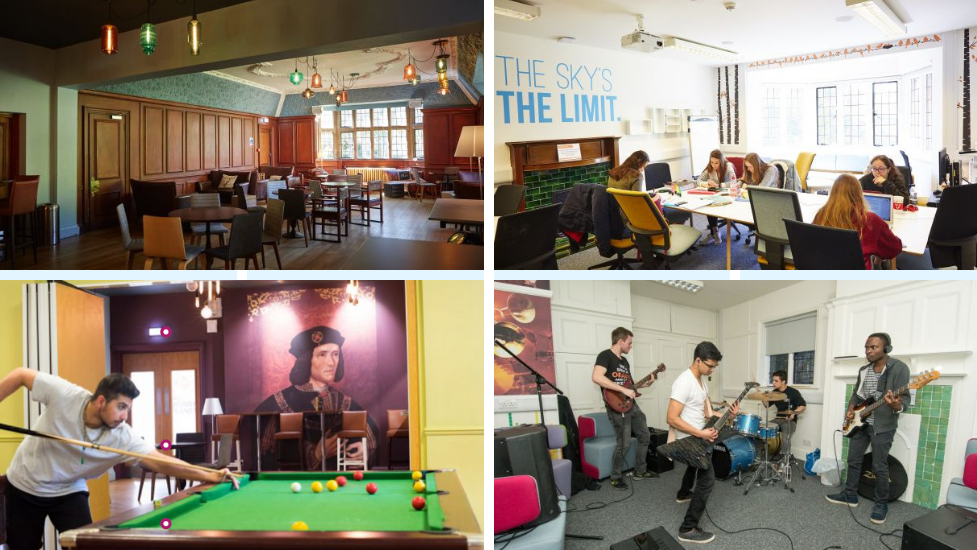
(212, 407)
(472, 144)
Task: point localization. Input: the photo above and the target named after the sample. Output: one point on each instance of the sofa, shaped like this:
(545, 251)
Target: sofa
(515, 505)
(259, 189)
(248, 180)
(963, 490)
(597, 443)
(556, 438)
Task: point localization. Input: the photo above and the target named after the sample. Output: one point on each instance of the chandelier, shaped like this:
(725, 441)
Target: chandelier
(208, 294)
(342, 94)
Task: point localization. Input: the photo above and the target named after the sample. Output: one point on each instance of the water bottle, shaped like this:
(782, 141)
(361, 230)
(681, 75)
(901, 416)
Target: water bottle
(912, 194)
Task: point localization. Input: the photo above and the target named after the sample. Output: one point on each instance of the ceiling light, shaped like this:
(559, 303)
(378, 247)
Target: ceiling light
(308, 93)
(844, 18)
(110, 35)
(316, 78)
(194, 32)
(296, 77)
(566, 40)
(690, 286)
(353, 292)
(879, 15)
(700, 49)
(410, 71)
(516, 10)
(147, 35)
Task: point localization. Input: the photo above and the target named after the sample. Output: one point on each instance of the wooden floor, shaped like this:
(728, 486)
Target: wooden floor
(102, 249)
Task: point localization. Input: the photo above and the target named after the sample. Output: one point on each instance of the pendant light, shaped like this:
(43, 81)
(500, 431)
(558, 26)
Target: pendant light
(441, 65)
(316, 78)
(194, 32)
(410, 71)
(296, 77)
(110, 35)
(147, 35)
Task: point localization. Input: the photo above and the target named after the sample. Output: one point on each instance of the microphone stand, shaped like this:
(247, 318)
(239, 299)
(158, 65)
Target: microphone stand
(540, 380)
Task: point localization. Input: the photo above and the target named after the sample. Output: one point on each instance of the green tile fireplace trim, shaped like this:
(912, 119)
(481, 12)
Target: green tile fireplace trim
(540, 184)
(933, 407)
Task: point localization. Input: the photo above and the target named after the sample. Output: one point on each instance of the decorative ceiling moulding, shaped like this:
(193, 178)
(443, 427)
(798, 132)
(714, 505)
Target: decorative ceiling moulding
(245, 81)
(918, 42)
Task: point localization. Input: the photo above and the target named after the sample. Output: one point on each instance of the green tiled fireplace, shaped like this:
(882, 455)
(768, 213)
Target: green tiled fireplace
(541, 184)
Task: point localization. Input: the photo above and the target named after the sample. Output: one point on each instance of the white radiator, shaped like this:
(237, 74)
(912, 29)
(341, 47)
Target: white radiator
(370, 174)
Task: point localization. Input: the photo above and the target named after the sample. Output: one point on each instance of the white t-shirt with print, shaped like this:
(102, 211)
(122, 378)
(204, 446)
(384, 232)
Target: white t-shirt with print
(687, 391)
(48, 468)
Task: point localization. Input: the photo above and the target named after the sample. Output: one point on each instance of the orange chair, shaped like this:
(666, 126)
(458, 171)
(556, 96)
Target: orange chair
(163, 240)
(354, 427)
(291, 428)
(397, 428)
(21, 201)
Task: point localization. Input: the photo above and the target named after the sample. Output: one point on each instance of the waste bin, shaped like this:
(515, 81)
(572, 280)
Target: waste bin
(49, 220)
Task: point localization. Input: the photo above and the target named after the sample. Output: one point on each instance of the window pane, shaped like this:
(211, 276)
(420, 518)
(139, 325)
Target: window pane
(855, 113)
(362, 118)
(346, 145)
(777, 362)
(381, 144)
(327, 144)
(346, 119)
(804, 367)
(380, 117)
(363, 148)
(326, 119)
(398, 116)
(885, 105)
(418, 144)
(771, 117)
(827, 110)
(418, 116)
(143, 413)
(184, 406)
(398, 144)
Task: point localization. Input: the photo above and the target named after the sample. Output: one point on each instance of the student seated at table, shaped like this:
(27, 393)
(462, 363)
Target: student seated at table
(846, 209)
(717, 174)
(757, 172)
(630, 175)
(884, 177)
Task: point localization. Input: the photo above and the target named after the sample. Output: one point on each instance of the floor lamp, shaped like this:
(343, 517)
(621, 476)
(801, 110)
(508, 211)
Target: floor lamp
(472, 144)
(212, 407)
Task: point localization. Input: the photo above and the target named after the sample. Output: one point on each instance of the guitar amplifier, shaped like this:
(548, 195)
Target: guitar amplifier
(933, 531)
(523, 451)
(656, 539)
(656, 462)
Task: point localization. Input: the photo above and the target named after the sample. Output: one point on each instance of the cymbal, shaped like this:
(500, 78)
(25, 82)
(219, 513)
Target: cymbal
(767, 396)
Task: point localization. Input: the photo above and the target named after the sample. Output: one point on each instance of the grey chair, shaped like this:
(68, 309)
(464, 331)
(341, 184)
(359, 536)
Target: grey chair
(423, 186)
(295, 211)
(657, 175)
(508, 197)
(770, 208)
(274, 186)
(246, 202)
(245, 242)
(198, 231)
(272, 234)
(332, 211)
(818, 247)
(132, 246)
(370, 198)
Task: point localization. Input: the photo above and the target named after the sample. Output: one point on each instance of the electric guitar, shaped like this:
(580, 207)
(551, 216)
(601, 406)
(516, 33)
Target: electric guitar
(622, 403)
(865, 409)
(697, 452)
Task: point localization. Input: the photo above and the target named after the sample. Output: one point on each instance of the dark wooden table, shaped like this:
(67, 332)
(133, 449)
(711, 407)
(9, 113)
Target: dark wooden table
(462, 211)
(208, 215)
(385, 253)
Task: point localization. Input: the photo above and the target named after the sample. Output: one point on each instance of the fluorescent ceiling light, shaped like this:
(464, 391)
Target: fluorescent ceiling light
(700, 49)
(516, 10)
(879, 15)
(691, 286)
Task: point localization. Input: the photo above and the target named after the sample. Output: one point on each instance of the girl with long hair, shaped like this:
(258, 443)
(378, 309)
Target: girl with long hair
(884, 177)
(846, 209)
(718, 173)
(630, 175)
(757, 172)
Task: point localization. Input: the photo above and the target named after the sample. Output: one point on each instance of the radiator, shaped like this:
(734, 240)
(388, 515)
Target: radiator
(370, 174)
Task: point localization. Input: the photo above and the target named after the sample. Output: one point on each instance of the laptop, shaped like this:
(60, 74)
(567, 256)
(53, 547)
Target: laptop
(881, 205)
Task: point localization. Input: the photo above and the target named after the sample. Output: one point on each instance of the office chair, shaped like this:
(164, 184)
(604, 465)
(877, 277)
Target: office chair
(770, 207)
(803, 166)
(818, 247)
(508, 197)
(953, 235)
(656, 240)
(527, 240)
(613, 239)
(657, 175)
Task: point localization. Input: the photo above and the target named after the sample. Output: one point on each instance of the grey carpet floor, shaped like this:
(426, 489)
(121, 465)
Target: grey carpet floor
(812, 522)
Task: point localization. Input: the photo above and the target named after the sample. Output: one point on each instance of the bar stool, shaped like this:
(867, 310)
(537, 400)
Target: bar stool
(21, 202)
(397, 428)
(354, 426)
(228, 424)
(291, 428)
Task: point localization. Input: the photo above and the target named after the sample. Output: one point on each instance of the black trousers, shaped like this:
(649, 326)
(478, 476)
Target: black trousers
(704, 481)
(26, 514)
(857, 445)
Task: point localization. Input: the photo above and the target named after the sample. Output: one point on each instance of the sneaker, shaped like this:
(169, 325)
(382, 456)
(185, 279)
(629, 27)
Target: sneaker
(879, 512)
(697, 536)
(712, 238)
(682, 499)
(842, 498)
(646, 475)
(619, 484)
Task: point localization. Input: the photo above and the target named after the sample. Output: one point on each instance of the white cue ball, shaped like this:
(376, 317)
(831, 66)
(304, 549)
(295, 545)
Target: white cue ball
(296, 487)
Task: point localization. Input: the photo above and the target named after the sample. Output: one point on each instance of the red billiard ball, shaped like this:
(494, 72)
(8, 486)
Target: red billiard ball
(341, 480)
(418, 503)
(371, 488)
(358, 476)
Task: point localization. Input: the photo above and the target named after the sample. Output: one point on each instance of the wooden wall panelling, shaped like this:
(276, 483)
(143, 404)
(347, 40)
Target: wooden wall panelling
(249, 142)
(305, 140)
(442, 128)
(223, 142)
(210, 142)
(175, 138)
(286, 142)
(237, 135)
(193, 153)
(152, 160)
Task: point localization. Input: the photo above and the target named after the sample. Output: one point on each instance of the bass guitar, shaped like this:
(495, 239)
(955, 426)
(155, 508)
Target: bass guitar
(622, 403)
(697, 452)
(865, 409)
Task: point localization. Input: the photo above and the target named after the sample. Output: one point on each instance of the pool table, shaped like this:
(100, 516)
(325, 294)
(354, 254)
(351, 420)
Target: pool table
(261, 514)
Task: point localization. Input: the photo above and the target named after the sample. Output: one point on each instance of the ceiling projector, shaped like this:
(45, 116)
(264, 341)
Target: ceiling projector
(641, 41)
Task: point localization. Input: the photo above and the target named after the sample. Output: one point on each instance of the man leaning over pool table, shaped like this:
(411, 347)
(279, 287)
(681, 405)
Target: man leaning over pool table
(47, 477)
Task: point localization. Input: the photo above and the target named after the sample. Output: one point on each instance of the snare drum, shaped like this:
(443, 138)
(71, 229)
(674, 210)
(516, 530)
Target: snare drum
(748, 425)
(736, 454)
(769, 432)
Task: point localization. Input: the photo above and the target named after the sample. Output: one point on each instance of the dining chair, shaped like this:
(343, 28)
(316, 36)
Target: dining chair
(423, 186)
(132, 246)
(22, 201)
(163, 241)
(245, 202)
(371, 198)
(272, 235)
(245, 242)
(274, 186)
(295, 211)
(448, 178)
(335, 212)
(356, 189)
(198, 231)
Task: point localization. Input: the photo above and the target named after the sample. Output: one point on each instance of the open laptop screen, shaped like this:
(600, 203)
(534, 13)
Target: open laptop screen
(881, 205)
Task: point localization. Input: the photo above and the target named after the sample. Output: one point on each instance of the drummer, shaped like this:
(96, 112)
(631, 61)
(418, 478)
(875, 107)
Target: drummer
(788, 409)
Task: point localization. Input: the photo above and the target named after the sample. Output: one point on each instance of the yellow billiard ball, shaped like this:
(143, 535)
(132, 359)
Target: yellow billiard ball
(419, 486)
(316, 487)
(332, 485)
(417, 475)
(300, 526)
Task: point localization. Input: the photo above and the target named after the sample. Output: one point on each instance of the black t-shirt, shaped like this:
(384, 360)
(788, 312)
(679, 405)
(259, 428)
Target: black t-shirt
(795, 400)
(618, 370)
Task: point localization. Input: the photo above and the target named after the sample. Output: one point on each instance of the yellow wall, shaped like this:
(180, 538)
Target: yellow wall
(11, 357)
(450, 350)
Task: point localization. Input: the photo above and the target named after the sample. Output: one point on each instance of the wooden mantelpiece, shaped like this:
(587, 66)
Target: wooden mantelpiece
(541, 155)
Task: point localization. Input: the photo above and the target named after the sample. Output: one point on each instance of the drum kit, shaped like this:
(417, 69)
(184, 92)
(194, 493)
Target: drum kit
(755, 445)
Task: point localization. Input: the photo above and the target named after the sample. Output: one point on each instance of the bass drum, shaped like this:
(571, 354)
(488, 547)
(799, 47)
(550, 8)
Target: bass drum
(773, 446)
(736, 454)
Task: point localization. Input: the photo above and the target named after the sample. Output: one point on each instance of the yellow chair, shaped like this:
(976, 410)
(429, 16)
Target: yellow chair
(803, 165)
(652, 233)
(163, 240)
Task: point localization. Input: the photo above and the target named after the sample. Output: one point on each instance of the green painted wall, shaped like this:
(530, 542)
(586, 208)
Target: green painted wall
(202, 89)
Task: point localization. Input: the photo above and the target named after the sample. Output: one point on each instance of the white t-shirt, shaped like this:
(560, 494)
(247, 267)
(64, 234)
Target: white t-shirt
(687, 391)
(48, 468)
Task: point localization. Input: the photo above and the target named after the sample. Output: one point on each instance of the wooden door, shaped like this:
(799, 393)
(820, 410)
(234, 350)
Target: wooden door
(264, 146)
(106, 160)
(6, 139)
(170, 402)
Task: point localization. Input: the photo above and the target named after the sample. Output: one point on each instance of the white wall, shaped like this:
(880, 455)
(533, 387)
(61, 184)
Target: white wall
(638, 82)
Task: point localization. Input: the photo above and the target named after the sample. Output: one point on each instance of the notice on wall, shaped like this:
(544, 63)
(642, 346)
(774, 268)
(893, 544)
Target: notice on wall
(537, 91)
(568, 151)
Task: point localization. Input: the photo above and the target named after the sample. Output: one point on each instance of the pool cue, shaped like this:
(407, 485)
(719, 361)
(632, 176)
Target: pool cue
(98, 447)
